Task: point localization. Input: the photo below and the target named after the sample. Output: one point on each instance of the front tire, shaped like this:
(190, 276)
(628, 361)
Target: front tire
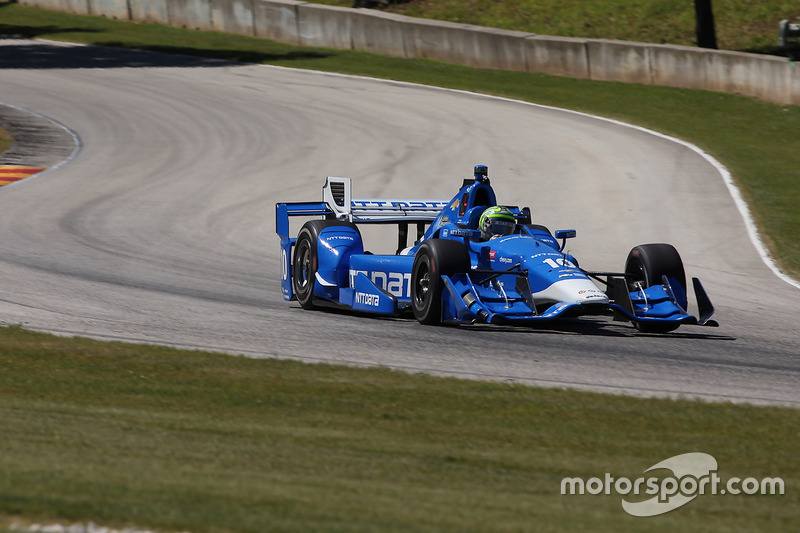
(435, 258)
(646, 266)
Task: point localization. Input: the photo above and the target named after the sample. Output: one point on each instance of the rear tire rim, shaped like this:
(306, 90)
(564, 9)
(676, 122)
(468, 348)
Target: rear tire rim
(305, 267)
(423, 286)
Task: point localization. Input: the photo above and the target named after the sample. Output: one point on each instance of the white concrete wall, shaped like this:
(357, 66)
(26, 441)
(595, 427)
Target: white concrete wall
(668, 65)
(80, 7)
(113, 9)
(154, 11)
(619, 61)
(561, 56)
(277, 20)
(465, 45)
(379, 33)
(192, 14)
(767, 77)
(326, 26)
(232, 16)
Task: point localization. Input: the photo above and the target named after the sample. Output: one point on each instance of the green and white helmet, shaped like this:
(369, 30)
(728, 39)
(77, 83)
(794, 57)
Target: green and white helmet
(496, 220)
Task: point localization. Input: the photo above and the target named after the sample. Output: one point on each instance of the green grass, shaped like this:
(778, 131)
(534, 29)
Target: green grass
(756, 140)
(154, 437)
(741, 25)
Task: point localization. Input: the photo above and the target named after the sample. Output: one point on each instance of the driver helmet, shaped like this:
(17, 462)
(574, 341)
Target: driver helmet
(496, 221)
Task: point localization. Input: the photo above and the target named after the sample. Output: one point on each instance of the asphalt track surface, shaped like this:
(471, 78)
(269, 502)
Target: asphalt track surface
(159, 227)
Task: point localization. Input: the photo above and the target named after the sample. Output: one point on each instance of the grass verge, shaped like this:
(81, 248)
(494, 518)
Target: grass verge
(155, 437)
(756, 140)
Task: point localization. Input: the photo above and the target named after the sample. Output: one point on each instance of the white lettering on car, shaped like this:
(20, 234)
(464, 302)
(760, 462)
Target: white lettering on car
(558, 262)
(395, 283)
(368, 299)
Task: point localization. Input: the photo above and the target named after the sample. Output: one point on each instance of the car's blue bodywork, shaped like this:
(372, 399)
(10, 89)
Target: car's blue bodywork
(524, 277)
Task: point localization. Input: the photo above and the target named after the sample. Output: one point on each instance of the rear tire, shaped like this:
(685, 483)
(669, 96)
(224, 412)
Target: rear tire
(646, 265)
(304, 261)
(435, 258)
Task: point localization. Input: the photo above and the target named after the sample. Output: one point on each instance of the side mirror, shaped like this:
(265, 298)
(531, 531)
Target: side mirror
(524, 215)
(565, 234)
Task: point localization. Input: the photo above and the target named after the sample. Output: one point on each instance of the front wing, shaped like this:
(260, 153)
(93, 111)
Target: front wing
(464, 301)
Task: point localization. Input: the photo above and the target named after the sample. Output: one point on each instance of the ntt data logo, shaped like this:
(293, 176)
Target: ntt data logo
(693, 474)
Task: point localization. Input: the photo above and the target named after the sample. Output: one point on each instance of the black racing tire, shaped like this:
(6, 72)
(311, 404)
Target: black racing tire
(647, 264)
(435, 258)
(304, 260)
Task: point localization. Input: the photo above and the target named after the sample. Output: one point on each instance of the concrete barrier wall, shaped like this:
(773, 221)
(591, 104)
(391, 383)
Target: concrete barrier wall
(465, 45)
(379, 33)
(760, 76)
(561, 56)
(233, 16)
(154, 11)
(112, 9)
(669, 65)
(619, 61)
(326, 26)
(192, 14)
(80, 7)
(295, 22)
(277, 20)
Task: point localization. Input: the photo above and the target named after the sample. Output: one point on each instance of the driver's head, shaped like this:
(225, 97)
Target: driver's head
(495, 221)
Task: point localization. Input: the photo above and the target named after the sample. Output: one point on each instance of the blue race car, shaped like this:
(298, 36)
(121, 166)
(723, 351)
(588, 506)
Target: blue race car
(473, 261)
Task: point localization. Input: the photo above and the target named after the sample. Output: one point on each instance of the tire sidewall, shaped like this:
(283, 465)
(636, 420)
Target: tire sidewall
(308, 239)
(649, 263)
(305, 250)
(437, 258)
(653, 261)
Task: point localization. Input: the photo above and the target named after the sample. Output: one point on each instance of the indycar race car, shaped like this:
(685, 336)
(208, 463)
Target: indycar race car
(473, 261)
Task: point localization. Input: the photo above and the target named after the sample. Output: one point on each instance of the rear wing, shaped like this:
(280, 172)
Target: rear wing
(338, 203)
(337, 195)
